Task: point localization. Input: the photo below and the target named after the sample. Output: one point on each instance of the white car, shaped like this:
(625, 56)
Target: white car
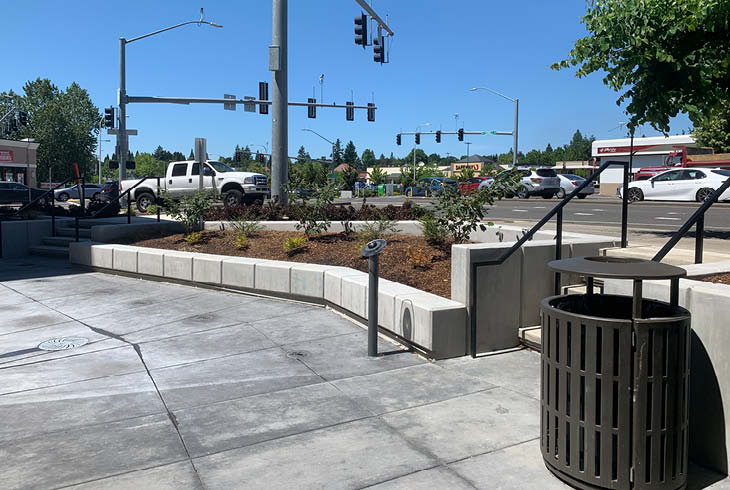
(685, 184)
(569, 182)
(532, 182)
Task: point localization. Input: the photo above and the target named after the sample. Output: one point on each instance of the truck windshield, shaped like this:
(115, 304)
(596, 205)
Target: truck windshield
(220, 167)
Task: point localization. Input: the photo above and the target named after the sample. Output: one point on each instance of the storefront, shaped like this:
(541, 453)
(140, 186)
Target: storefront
(18, 162)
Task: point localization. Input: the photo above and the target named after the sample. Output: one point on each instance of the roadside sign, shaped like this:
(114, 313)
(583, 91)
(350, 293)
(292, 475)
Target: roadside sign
(249, 106)
(130, 132)
(227, 106)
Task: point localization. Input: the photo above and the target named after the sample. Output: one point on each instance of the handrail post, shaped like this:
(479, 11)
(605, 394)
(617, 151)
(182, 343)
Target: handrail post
(53, 213)
(625, 205)
(558, 247)
(699, 238)
(129, 210)
(158, 199)
(77, 228)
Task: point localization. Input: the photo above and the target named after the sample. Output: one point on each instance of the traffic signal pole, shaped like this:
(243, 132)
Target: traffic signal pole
(122, 95)
(279, 101)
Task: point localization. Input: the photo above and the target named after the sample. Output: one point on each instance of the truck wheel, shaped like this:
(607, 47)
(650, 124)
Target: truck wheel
(144, 200)
(233, 197)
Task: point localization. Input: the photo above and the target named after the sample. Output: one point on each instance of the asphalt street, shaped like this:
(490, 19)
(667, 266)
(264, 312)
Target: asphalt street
(596, 210)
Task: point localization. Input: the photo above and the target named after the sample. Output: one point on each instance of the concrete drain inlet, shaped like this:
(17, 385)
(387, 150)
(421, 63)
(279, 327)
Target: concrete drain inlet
(297, 354)
(63, 343)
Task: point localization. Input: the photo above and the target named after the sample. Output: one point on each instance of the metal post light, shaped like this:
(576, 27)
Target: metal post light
(517, 116)
(372, 250)
(467, 151)
(122, 142)
(414, 152)
(328, 141)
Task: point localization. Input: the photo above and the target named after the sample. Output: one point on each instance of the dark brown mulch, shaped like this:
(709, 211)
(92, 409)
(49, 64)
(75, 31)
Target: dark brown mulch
(329, 249)
(723, 278)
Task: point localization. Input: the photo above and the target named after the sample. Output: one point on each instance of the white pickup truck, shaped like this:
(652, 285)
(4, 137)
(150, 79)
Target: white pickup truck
(183, 178)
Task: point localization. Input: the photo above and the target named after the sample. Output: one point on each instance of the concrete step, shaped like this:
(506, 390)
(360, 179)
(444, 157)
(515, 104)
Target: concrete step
(677, 256)
(49, 251)
(531, 337)
(71, 232)
(58, 241)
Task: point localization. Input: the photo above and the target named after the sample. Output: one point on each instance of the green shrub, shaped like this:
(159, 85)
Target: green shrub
(241, 241)
(245, 227)
(295, 244)
(379, 228)
(433, 231)
(193, 238)
(313, 218)
(190, 210)
(458, 216)
(152, 209)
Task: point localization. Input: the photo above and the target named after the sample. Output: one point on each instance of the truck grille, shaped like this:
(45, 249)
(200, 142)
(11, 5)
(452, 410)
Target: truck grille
(260, 180)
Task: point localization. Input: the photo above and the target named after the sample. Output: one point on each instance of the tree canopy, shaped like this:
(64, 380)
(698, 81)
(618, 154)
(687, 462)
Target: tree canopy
(664, 57)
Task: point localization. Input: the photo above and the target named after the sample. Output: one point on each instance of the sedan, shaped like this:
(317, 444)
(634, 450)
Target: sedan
(696, 184)
(91, 191)
(431, 186)
(15, 193)
(569, 182)
(471, 184)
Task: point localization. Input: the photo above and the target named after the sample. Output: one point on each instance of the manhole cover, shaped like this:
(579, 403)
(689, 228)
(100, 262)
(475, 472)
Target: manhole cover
(297, 354)
(63, 343)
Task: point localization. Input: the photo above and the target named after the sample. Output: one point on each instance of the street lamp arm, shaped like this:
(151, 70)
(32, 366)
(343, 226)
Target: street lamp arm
(199, 22)
(315, 132)
(494, 92)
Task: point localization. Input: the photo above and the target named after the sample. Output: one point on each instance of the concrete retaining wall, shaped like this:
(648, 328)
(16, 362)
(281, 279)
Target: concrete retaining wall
(432, 323)
(709, 305)
(111, 232)
(508, 295)
(19, 236)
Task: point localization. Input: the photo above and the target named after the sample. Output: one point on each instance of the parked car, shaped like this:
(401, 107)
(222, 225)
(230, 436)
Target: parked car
(15, 193)
(569, 182)
(646, 173)
(431, 186)
(696, 184)
(91, 191)
(109, 191)
(532, 182)
(471, 184)
(182, 179)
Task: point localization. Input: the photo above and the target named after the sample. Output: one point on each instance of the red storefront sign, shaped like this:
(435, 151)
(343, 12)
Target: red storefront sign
(6, 156)
(622, 149)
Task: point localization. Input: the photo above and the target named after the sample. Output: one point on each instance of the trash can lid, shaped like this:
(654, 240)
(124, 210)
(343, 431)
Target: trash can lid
(617, 268)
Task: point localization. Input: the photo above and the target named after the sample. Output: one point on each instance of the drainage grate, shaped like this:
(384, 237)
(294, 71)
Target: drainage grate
(63, 343)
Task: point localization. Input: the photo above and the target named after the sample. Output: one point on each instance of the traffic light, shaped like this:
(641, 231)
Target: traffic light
(108, 117)
(438, 136)
(361, 30)
(397, 139)
(237, 158)
(371, 112)
(263, 95)
(379, 49)
(262, 158)
(23, 118)
(350, 111)
(461, 134)
(131, 165)
(312, 109)
(418, 138)
(257, 157)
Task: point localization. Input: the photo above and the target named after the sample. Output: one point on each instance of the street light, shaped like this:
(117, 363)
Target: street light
(517, 113)
(414, 151)
(122, 143)
(328, 141)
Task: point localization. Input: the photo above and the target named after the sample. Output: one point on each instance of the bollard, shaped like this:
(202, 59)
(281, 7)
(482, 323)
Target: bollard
(372, 250)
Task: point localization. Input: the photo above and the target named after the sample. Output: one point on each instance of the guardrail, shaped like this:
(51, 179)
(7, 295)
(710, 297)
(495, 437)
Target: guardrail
(557, 210)
(698, 219)
(117, 199)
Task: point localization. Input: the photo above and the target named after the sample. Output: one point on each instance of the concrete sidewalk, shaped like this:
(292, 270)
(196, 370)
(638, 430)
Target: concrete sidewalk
(186, 388)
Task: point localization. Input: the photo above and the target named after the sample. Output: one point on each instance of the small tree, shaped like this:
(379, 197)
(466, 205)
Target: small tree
(313, 218)
(347, 178)
(377, 175)
(190, 210)
(466, 173)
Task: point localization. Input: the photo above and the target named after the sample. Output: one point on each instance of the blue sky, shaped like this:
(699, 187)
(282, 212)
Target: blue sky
(438, 52)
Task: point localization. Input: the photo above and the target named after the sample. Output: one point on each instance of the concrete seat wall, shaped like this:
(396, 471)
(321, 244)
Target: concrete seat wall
(18, 236)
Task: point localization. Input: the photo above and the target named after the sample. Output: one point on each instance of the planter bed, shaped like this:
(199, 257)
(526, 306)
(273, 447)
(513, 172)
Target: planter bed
(716, 278)
(336, 249)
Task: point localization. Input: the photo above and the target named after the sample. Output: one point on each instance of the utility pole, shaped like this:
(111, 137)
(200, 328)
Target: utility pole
(122, 141)
(279, 101)
(517, 115)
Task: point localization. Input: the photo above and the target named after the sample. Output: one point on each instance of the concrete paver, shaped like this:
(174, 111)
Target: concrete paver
(186, 388)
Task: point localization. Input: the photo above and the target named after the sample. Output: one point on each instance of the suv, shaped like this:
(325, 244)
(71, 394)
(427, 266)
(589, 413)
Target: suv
(431, 186)
(533, 182)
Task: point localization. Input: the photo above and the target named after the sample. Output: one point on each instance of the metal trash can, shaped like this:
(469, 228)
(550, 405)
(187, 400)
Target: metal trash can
(615, 380)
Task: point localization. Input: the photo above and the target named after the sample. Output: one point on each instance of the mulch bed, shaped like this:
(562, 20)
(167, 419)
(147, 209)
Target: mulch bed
(328, 249)
(723, 278)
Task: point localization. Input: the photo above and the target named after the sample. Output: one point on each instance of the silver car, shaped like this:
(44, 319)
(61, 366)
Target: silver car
(91, 191)
(569, 182)
(533, 182)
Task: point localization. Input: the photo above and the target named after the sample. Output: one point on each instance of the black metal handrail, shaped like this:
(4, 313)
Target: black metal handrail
(557, 210)
(117, 199)
(49, 191)
(698, 218)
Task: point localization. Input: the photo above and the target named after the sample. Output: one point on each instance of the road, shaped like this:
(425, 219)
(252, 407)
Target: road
(596, 211)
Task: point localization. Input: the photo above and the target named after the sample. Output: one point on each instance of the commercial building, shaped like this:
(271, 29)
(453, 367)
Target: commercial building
(477, 162)
(18, 161)
(648, 152)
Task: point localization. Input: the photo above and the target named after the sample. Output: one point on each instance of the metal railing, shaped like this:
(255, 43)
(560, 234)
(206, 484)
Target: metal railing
(19, 213)
(117, 199)
(557, 210)
(698, 219)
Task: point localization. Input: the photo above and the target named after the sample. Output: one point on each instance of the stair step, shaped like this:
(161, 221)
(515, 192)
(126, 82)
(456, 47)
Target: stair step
(58, 241)
(531, 337)
(49, 251)
(71, 232)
